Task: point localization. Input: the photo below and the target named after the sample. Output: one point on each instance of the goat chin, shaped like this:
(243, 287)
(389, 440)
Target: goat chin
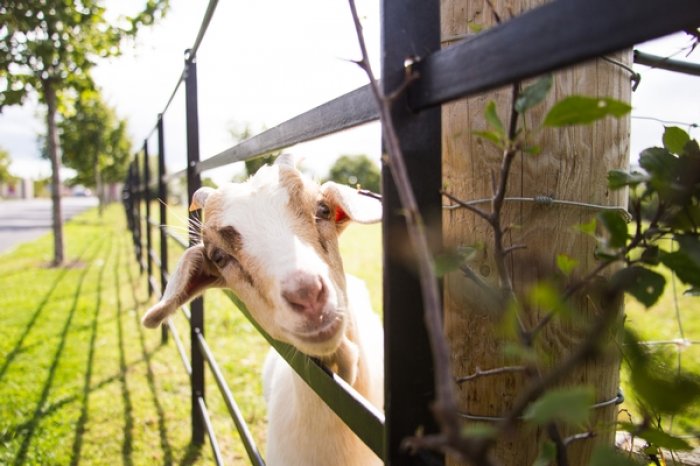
(302, 430)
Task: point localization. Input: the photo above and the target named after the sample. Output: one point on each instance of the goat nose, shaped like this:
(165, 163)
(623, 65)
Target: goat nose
(305, 293)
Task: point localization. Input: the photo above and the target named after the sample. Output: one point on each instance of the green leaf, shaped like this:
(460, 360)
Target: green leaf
(683, 266)
(651, 255)
(675, 139)
(447, 262)
(663, 390)
(533, 150)
(604, 455)
(685, 262)
(568, 405)
(658, 162)
(493, 120)
(616, 227)
(588, 228)
(492, 136)
(644, 284)
(534, 94)
(546, 296)
(548, 452)
(566, 264)
(657, 437)
(520, 353)
(475, 27)
(580, 110)
(618, 179)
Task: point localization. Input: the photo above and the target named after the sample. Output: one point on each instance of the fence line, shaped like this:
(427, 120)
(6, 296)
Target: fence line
(530, 44)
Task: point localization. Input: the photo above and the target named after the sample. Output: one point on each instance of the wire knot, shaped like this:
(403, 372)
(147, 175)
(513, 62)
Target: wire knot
(544, 200)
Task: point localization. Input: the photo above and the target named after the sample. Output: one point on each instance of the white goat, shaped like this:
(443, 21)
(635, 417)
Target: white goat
(273, 240)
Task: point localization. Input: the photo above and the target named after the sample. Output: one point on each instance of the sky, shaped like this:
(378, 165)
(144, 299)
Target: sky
(262, 63)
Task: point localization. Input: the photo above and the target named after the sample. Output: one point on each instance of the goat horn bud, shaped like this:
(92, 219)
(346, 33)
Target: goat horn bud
(199, 198)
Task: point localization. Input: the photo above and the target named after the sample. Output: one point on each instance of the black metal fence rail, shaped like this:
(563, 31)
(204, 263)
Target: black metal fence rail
(553, 36)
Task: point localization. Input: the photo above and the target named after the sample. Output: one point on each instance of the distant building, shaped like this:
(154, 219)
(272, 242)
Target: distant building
(18, 188)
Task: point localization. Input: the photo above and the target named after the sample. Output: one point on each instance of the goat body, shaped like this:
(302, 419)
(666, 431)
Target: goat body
(273, 240)
(302, 430)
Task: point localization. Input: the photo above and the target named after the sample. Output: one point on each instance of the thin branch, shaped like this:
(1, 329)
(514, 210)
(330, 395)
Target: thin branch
(499, 370)
(467, 206)
(555, 436)
(578, 437)
(513, 248)
(587, 349)
(445, 406)
(499, 197)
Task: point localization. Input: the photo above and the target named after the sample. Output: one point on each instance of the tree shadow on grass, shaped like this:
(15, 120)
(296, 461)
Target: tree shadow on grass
(193, 453)
(37, 313)
(39, 411)
(14, 431)
(82, 420)
(127, 442)
(150, 377)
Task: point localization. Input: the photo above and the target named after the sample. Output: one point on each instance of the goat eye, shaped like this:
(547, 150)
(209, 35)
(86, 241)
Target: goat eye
(323, 212)
(220, 258)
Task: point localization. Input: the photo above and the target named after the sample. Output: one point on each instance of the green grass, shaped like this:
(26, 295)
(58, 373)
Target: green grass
(661, 323)
(81, 382)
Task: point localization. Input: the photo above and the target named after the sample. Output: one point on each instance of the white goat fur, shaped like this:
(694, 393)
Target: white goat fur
(273, 241)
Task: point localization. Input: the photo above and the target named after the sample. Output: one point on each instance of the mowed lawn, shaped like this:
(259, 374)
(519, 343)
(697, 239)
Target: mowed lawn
(81, 382)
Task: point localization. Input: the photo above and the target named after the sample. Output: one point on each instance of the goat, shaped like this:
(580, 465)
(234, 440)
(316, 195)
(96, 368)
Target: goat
(273, 240)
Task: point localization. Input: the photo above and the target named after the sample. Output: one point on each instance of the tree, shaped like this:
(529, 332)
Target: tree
(95, 143)
(48, 47)
(356, 170)
(5, 175)
(241, 132)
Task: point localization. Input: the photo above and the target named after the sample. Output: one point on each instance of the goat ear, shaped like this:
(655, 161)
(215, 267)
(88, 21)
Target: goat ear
(350, 204)
(193, 274)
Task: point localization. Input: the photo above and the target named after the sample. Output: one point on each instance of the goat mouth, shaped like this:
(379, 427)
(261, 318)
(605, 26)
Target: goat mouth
(324, 332)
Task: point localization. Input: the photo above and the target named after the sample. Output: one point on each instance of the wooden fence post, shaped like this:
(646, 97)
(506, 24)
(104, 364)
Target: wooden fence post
(572, 166)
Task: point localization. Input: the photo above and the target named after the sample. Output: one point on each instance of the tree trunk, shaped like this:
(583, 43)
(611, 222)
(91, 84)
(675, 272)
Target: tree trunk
(573, 166)
(52, 146)
(99, 187)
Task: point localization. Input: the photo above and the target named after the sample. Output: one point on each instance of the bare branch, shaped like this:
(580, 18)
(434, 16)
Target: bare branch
(555, 436)
(467, 206)
(499, 370)
(512, 248)
(578, 437)
(445, 406)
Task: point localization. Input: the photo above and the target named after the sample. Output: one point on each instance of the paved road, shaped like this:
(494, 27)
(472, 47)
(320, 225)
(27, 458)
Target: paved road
(22, 221)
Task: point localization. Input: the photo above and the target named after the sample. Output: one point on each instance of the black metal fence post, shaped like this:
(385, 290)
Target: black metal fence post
(138, 194)
(194, 182)
(147, 198)
(410, 30)
(128, 198)
(163, 198)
